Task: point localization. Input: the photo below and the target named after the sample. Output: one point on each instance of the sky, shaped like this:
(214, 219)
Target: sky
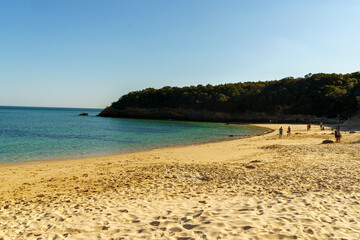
(88, 53)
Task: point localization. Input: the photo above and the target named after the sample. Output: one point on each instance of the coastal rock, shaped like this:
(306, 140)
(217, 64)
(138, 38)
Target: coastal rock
(83, 114)
(209, 116)
(354, 122)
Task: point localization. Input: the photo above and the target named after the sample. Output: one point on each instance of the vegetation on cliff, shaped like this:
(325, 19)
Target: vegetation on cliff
(327, 95)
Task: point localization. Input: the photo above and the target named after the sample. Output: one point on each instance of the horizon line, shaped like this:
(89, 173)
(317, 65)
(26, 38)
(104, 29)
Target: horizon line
(50, 107)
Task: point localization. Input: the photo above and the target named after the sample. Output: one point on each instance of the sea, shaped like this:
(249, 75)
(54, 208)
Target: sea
(39, 133)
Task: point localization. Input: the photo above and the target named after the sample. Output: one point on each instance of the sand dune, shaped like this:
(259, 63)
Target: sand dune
(261, 187)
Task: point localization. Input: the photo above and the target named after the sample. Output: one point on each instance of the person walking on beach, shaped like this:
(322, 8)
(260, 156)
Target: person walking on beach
(289, 131)
(280, 132)
(321, 126)
(308, 126)
(337, 134)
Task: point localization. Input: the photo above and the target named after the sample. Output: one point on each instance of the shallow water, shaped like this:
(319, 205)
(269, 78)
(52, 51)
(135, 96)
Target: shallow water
(30, 133)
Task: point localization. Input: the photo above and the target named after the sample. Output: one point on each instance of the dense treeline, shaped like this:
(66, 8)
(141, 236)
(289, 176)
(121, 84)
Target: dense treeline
(328, 95)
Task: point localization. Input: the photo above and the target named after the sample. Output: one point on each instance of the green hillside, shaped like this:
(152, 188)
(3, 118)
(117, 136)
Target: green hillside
(322, 95)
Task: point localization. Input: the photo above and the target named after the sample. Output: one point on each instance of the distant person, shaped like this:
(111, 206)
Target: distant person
(337, 134)
(321, 126)
(280, 132)
(308, 126)
(289, 131)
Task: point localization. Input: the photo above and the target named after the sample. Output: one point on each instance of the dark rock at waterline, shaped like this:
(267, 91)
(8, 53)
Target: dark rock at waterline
(83, 114)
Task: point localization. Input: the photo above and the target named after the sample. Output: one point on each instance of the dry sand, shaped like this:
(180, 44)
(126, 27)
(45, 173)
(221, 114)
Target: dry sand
(260, 187)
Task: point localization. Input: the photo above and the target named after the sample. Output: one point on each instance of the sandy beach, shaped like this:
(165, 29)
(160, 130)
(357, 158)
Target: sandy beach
(260, 187)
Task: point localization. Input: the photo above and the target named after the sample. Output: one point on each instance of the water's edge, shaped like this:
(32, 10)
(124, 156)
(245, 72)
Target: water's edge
(92, 156)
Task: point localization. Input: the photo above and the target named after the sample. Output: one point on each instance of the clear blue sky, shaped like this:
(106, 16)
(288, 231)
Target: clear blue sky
(84, 53)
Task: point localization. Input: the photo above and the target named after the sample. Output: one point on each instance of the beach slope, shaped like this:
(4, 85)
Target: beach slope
(260, 187)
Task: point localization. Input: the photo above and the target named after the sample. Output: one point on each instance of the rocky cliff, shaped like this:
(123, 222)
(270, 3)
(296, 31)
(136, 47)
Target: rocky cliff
(197, 115)
(353, 122)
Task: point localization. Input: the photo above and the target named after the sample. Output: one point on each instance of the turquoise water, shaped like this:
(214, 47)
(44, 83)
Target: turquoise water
(29, 133)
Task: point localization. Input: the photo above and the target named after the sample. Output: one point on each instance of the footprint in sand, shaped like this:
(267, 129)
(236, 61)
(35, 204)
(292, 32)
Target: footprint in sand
(198, 214)
(175, 229)
(189, 226)
(247, 227)
(154, 223)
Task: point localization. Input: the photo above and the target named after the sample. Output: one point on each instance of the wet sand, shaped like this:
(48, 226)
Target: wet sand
(260, 187)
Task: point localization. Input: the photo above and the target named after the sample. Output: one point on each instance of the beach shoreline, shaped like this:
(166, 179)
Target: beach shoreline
(36, 161)
(259, 187)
